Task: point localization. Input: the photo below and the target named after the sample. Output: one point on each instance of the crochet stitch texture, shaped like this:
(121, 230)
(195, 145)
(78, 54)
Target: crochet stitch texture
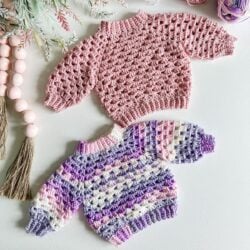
(137, 65)
(122, 180)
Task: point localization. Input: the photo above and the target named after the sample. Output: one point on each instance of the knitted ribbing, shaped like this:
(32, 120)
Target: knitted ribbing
(194, 2)
(137, 65)
(122, 180)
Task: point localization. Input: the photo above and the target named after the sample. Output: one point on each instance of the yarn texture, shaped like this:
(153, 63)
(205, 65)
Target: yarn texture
(196, 2)
(137, 65)
(233, 10)
(121, 180)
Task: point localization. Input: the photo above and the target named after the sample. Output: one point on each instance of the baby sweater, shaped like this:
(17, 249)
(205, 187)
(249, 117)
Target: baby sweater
(137, 65)
(121, 180)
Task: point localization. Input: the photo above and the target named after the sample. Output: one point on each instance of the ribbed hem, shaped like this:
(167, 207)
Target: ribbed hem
(158, 214)
(124, 26)
(55, 102)
(136, 225)
(229, 45)
(196, 2)
(121, 235)
(128, 116)
(207, 143)
(38, 224)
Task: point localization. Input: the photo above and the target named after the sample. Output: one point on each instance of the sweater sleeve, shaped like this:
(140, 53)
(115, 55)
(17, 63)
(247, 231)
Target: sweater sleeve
(200, 37)
(58, 199)
(75, 75)
(178, 142)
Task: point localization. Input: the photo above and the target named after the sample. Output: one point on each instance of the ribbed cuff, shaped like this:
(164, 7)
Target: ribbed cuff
(39, 224)
(229, 45)
(196, 2)
(54, 102)
(207, 143)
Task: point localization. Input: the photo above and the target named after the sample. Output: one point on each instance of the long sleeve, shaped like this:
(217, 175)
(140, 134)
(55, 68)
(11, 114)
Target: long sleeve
(178, 142)
(75, 75)
(58, 199)
(200, 37)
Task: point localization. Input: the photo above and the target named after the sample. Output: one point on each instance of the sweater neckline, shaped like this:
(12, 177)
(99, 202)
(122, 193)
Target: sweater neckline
(104, 142)
(125, 25)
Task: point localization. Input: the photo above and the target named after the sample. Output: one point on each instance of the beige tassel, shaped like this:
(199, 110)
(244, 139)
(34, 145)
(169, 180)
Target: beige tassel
(3, 126)
(16, 185)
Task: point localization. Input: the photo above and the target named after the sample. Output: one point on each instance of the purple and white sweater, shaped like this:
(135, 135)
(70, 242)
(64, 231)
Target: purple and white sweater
(121, 180)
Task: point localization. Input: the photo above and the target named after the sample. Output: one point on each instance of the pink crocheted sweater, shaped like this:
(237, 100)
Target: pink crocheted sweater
(137, 65)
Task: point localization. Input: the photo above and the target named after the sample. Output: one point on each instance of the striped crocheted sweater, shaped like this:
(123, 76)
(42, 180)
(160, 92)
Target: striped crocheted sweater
(121, 180)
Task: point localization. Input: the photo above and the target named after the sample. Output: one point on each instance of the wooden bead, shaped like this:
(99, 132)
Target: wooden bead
(3, 41)
(31, 130)
(4, 50)
(14, 93)
(17, 79)
(4, 63)
(21, 105)
(20, 53)
(20, 66)
(3, 90)
(29, 116)
(14, 41)
(3, 77)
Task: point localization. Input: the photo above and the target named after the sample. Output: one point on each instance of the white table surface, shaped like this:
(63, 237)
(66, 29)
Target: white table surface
(214, 193)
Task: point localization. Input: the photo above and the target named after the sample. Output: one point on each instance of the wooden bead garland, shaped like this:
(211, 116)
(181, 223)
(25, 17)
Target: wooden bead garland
(16, 184)
(14, 92)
